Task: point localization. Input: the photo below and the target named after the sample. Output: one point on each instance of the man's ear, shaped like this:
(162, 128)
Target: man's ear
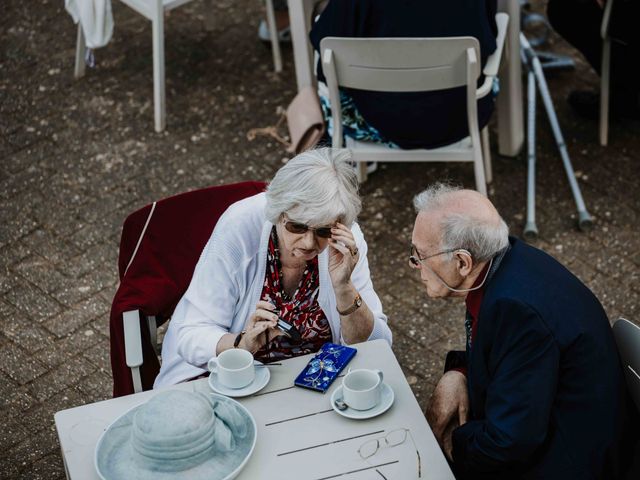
(464, 261)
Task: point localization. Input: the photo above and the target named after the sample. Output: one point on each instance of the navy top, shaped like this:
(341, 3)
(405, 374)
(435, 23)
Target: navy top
(413, 119)
(547, 393)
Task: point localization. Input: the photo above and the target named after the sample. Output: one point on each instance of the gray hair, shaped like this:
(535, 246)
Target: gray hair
(481, 236)
(316, 187)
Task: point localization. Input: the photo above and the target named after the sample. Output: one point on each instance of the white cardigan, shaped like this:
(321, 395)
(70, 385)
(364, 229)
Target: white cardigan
(227, 283)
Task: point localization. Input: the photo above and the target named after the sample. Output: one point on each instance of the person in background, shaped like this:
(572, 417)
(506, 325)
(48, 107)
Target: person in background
(579, 22)
(539, 392)
(294, 252)
(412, 119)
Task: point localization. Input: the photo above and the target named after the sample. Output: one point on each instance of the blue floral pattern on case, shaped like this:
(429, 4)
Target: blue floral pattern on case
(325, 366)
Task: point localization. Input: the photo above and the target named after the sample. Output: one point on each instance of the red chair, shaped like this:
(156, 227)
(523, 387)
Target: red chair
(159, 248)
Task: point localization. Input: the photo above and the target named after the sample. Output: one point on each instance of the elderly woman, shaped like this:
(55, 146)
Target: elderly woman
(295, 253)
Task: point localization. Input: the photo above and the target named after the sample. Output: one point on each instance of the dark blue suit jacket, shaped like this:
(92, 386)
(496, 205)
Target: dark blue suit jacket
(413, 119)
(546, 388)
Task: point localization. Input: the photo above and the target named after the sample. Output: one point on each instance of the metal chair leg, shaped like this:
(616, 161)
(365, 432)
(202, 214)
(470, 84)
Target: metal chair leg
(273, 34)
(486, 154)
(81, 50)
(604, 92)
(158, 71)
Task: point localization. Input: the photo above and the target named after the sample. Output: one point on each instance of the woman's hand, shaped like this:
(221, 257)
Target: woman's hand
(261, 325)
(343, 255)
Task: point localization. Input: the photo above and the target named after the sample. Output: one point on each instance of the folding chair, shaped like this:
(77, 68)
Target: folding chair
(413, 65)
(154, 11)
(627, 336)
(159, 248)
(605, 73)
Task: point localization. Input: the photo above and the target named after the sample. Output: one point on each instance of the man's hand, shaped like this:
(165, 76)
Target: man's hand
(448, 405)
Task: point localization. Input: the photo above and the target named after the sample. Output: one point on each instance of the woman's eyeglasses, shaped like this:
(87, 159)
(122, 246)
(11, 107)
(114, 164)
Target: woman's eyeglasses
(302, 228)
(392, 439)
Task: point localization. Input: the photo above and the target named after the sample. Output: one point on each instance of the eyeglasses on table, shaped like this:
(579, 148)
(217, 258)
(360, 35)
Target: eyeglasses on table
(392, 439)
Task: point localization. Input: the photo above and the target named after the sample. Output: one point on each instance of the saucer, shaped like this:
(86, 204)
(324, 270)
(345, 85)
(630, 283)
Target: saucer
(386, 400)
(259, 382)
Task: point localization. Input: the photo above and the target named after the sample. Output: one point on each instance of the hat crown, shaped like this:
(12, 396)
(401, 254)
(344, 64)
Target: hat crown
(173, 414)
(173, 431)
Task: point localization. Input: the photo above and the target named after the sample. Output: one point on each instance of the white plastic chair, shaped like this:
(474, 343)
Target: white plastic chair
(605, 74)
(154, 10)
(413, 65)
(627, 336)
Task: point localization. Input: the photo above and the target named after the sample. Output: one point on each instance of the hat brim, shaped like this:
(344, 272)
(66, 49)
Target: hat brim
(114, 457)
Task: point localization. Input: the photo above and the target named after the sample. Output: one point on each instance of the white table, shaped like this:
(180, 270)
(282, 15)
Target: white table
(299, 435)
(509, 104)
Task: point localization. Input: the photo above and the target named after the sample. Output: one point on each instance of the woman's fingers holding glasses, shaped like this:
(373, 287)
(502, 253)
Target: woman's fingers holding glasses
(343, 249)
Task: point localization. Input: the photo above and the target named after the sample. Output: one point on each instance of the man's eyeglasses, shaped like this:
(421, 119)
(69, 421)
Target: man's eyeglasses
(416, 260)
(392, 439)
(302, 228)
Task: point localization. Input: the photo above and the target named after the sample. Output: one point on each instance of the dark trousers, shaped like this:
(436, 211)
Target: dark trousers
(579, 22)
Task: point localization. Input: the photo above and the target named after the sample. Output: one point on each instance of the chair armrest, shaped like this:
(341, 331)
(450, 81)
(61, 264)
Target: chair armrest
(132, 338)
(492, 66)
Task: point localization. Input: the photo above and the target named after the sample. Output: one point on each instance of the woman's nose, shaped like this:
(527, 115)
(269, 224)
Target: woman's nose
(309, 240)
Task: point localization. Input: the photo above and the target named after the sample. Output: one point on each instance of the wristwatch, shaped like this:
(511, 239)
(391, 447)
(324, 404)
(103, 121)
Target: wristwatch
(354, 306)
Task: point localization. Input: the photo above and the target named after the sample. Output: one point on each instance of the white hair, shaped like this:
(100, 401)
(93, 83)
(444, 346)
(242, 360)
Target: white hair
(479, 235)
(317, 187)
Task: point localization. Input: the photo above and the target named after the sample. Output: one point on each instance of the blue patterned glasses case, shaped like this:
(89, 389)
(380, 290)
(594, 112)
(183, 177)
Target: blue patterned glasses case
(325, 367)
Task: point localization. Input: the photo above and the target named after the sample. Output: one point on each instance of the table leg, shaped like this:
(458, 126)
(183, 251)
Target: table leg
(510, 111)
(300, 21)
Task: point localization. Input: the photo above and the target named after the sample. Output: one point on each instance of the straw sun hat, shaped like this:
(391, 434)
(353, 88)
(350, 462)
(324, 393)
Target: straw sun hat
(178, 435)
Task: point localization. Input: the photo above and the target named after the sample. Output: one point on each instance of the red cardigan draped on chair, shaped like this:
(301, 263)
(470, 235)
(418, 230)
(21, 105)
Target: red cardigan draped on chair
(162, 268)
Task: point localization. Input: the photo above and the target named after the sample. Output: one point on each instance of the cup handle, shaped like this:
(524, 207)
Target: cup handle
(381, 375)
(212, 365)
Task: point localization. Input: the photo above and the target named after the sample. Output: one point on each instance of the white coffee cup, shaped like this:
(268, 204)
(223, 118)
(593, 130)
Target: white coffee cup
(361, 389)
(233, 367)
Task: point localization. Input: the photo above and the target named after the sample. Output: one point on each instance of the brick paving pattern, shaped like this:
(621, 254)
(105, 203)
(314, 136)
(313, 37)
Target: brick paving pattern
(77, 156)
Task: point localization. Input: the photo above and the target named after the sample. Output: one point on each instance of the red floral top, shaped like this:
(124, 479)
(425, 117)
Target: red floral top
(301, 309)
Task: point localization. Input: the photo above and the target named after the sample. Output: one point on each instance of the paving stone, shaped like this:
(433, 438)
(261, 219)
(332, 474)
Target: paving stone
(77, 316)
(422, 361)
(28, 334)
(57, 380)
(39, 420)
(14, 252)
(42, 273)
(32, 302)
(14, 399)
(101, 325)
(97, 386)
(21, 457)
(49, 467)
(11, 434)
(54, 249)
(18, 365)
(6, 310)
(98, 256)
(420, 387)
(81, 340)
(98, 354)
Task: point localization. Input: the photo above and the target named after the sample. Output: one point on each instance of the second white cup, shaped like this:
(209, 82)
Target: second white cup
(233, 367)
(361, 389)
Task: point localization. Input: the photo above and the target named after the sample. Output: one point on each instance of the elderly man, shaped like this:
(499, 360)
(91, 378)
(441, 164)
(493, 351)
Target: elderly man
(539, 392)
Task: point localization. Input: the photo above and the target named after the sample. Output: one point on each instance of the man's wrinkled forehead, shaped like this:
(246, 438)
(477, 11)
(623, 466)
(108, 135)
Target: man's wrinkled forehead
(426, 229)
